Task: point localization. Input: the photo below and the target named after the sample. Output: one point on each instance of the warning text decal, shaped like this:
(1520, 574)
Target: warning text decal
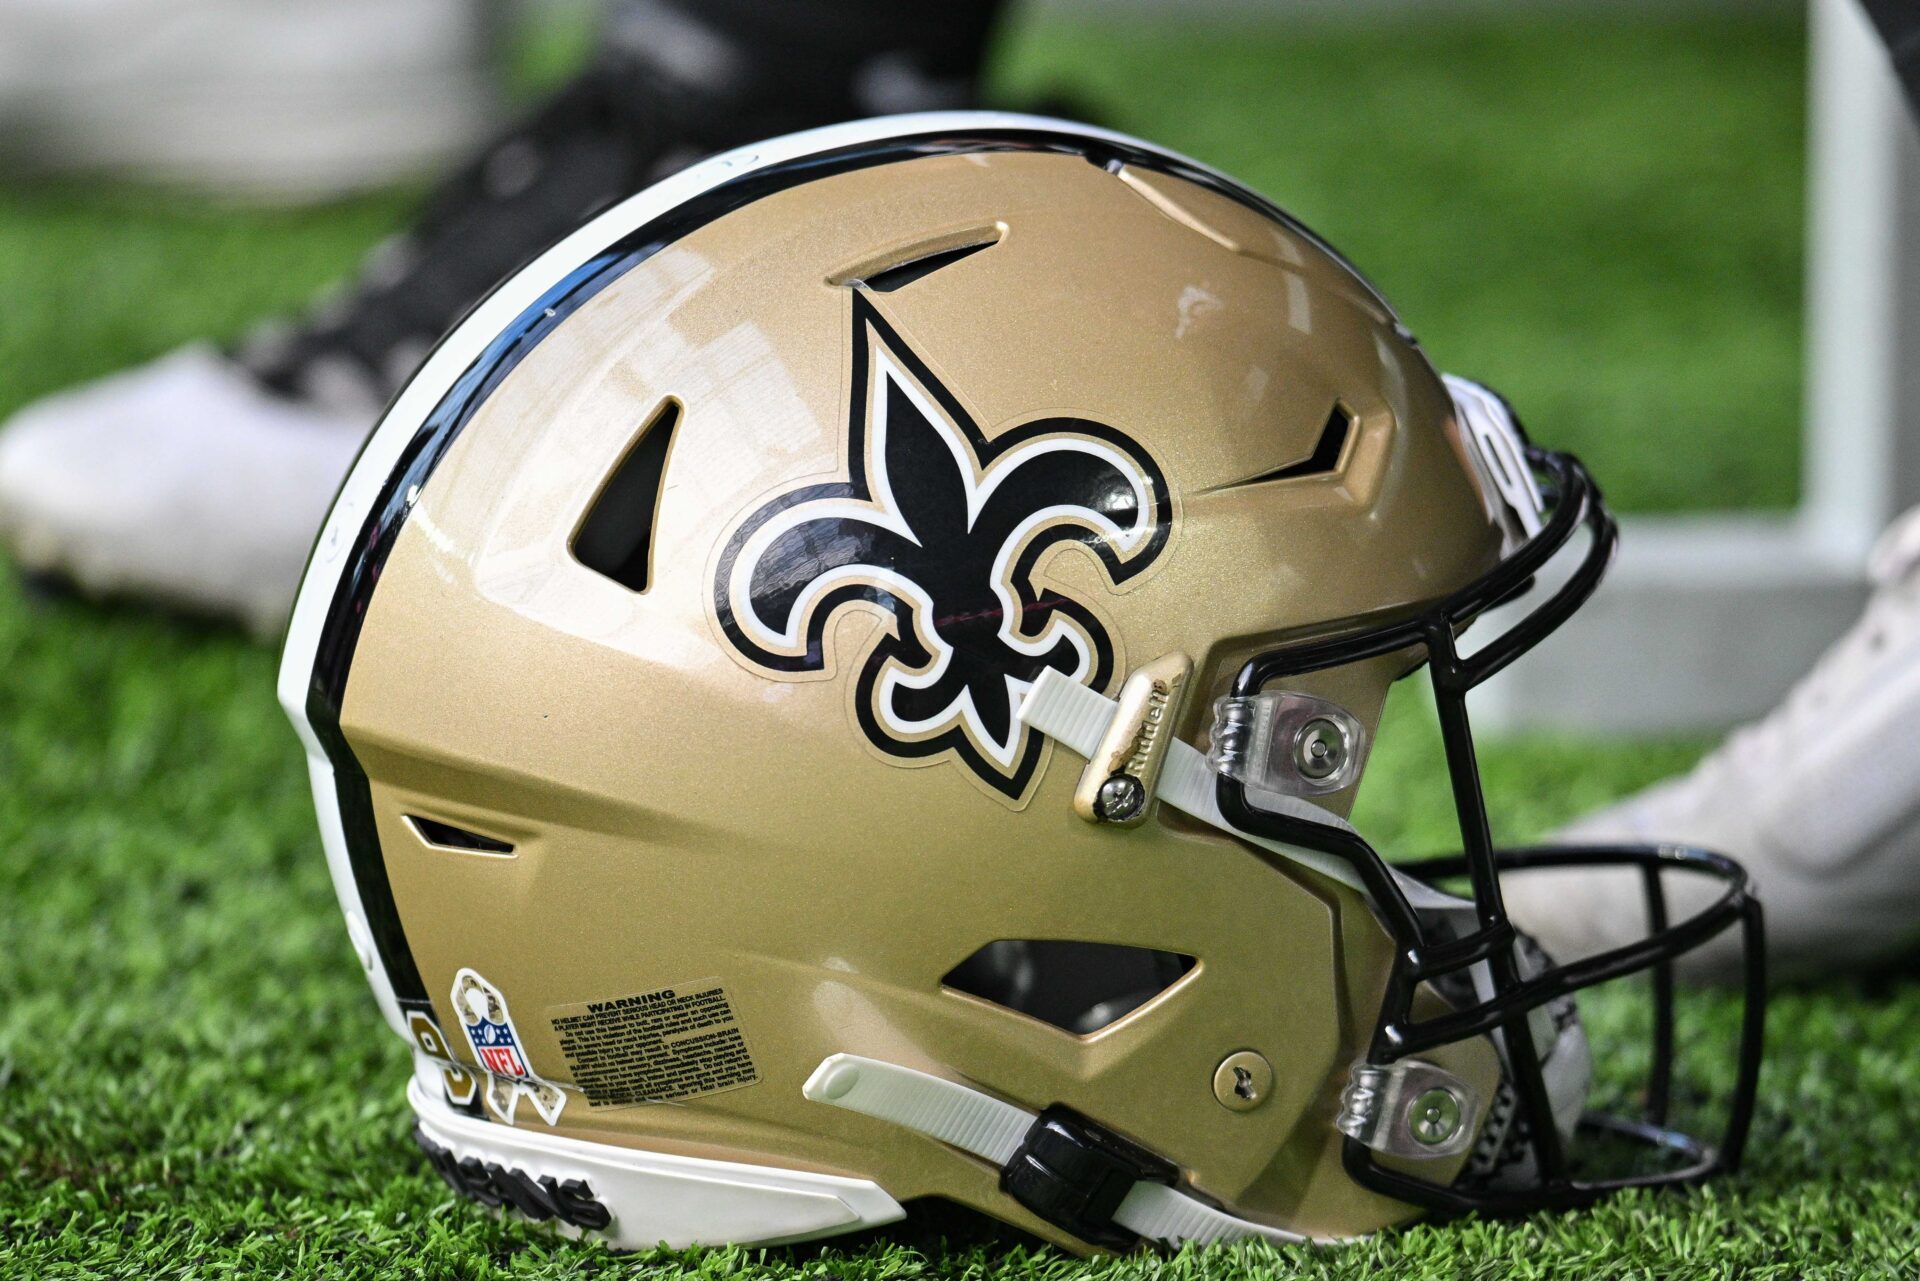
(672, 1043)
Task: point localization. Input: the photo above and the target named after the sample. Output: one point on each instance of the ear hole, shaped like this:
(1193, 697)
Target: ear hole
(1076, 987)
(616, 537)
(448, 837)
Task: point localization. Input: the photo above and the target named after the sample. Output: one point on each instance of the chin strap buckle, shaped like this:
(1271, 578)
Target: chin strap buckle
(1074, 1173)
(1061, 1166)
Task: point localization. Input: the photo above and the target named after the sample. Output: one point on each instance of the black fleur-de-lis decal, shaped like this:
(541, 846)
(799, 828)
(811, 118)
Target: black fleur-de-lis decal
(941, 528)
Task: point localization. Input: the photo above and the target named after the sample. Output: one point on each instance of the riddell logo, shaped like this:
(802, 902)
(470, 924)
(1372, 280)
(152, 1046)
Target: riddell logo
(1153, 724)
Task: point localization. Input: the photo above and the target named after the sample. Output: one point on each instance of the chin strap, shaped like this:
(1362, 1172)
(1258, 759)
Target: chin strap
(1059, 1165)
(1077, 718)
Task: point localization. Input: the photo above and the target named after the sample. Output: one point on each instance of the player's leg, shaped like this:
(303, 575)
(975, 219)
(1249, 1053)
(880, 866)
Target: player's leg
(199, 480)
(1820, 800)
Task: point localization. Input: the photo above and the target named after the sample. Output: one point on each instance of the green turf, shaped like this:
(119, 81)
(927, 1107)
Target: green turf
(193, 1080)
(1602, 220)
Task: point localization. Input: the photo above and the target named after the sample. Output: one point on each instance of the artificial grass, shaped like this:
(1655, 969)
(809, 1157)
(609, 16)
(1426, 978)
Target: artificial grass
(193, 1080)
(1602, 218)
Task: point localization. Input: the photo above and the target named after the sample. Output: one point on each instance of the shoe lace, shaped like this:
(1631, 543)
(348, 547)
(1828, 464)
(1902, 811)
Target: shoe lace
(607, 133)
(624, 122)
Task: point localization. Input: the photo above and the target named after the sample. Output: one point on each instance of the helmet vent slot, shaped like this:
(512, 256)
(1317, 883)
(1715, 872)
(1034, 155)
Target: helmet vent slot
(616, 537)
(448, 837)
(1076, 987)
(919, 267)
(1325, 457)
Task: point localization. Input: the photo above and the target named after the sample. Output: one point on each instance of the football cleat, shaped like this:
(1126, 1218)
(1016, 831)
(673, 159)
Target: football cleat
(180, 482)
(841, 685)
(183, 482)
(1820, 799)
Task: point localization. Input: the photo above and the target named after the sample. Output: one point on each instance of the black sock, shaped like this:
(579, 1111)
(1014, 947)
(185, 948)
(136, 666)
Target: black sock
(673, 80)
(828, 58)
(1899, 24)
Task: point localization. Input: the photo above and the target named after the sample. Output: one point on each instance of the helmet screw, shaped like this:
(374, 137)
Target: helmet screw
(1435, 1116)
(1243, 1081)
(1121, 797)
(1319, 749)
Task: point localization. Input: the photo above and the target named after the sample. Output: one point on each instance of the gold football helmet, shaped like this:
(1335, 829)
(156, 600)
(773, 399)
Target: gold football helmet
(842, 682)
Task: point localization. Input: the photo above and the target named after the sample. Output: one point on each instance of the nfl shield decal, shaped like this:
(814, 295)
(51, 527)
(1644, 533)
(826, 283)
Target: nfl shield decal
(497, 1048)
(498, 1053)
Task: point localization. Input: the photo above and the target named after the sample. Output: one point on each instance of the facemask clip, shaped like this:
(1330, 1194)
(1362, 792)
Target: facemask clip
(1290, 743)
(1410, 1109)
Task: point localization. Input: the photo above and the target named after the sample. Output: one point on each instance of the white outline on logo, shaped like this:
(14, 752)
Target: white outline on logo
(884, 511)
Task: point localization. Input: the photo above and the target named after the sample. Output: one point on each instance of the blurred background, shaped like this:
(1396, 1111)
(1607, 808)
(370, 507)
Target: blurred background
(1603, 216)
(1602, 209)
(1611, 210)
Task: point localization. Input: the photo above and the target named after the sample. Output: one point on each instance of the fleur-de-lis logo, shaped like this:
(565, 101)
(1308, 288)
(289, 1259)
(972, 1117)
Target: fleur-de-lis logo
(941, 529)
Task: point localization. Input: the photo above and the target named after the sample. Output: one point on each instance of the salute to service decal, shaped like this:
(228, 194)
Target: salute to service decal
(942, 529)
(497, 1046)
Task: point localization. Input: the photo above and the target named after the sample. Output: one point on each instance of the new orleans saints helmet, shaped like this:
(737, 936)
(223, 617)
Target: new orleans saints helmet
(843, 682)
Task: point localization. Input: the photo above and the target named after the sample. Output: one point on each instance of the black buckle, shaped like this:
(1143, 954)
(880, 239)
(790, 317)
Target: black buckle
(1074, 1173)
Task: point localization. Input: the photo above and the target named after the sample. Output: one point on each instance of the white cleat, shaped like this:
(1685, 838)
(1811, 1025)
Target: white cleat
(183, 482)
(1820, 801)
(199, 481)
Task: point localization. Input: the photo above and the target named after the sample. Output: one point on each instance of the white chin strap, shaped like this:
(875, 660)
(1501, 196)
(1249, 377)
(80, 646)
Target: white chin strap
(1077, 718)
(992, 1130)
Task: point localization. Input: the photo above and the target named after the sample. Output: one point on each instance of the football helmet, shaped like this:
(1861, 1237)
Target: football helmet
(842, 683)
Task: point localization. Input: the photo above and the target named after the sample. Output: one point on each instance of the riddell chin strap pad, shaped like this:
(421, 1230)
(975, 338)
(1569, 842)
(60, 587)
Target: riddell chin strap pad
(1502, 1156)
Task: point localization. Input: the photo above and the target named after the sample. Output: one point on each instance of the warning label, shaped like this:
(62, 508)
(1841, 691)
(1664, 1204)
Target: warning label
(670, 1044)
